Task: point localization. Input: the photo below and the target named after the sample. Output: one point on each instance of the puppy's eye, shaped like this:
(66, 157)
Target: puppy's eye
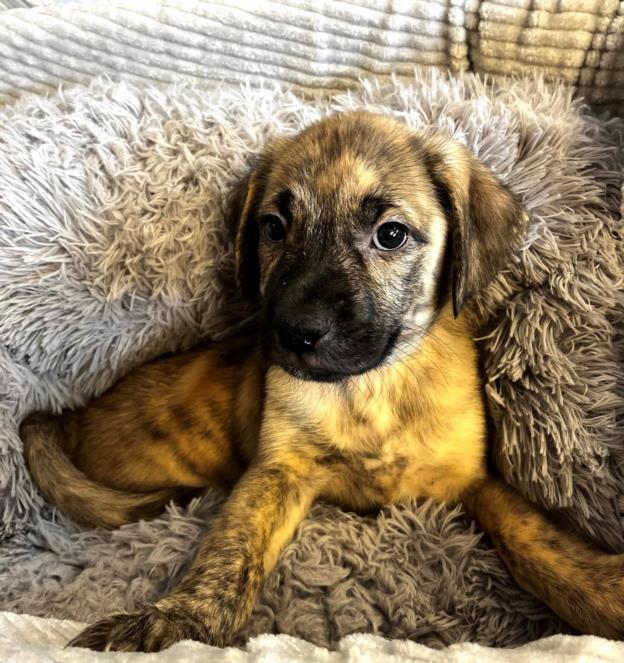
(390, 236)
(273, 228)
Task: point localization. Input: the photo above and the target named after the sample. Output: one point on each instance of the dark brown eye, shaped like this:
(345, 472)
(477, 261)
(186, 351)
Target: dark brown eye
(390, 236)
(273, 228)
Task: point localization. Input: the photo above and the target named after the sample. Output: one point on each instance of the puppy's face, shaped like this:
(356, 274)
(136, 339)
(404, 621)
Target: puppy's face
(355, 232)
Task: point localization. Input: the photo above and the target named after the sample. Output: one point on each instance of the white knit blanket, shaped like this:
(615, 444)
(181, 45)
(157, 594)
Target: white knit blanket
(310, 44)
(25, 639)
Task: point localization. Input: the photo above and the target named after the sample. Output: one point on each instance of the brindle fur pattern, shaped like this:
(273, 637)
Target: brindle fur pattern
(582, 584)
(389, 406)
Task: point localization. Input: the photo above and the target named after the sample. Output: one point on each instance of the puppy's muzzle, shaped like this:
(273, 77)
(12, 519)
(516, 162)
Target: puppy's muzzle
(319, 327)
(301, 335)
(304, 321)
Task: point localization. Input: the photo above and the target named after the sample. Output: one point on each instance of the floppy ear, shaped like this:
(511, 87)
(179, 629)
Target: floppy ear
(486, 221)
(243, 209)
(241, 213)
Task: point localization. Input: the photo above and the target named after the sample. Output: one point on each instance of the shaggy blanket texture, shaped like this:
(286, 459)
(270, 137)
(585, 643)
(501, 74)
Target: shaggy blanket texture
(114, 249)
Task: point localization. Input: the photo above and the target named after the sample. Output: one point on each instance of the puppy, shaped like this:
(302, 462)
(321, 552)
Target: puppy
(362, 242)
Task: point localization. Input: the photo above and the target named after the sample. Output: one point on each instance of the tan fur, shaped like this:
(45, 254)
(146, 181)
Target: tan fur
(581, 583)
(438, 450)
(412, 426)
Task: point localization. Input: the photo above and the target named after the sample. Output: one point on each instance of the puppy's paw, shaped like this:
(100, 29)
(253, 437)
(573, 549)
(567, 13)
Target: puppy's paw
(149, 630)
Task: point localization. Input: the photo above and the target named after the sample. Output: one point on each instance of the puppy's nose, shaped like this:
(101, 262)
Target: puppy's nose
(301, 338)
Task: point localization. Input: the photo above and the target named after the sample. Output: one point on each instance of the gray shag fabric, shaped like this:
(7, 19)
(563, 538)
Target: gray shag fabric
(113, 249)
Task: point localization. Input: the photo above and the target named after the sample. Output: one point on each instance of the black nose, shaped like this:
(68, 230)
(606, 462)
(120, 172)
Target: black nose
(300, 337)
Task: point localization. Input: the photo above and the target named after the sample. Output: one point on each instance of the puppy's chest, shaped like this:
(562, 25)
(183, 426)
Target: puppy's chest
(389, 445)
(412, 428)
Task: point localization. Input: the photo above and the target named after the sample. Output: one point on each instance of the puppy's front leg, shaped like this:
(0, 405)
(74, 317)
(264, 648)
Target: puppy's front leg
(217, 595)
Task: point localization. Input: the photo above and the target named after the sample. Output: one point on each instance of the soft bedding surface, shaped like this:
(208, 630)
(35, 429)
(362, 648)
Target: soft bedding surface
(27, 639)
(310, 44)
(114, 249)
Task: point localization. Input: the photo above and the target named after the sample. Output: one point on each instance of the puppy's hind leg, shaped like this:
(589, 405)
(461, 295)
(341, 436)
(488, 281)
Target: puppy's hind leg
(46, 439)
(579, 582)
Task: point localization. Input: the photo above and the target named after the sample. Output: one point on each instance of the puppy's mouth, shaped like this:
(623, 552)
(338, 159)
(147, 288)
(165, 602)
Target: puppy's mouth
(313, 369)
(310, 375)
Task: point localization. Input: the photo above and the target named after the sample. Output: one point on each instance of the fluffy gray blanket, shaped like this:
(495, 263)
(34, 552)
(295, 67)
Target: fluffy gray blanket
(113, 250)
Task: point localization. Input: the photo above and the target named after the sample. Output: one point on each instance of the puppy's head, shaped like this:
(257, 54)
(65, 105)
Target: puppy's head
(356, 231)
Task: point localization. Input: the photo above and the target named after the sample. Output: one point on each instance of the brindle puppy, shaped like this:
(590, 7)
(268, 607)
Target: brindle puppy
(362, 241)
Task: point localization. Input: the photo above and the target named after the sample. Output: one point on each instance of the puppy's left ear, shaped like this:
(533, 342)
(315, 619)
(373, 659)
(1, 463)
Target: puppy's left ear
(486, 221)
(243, 211)
(241, 215)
